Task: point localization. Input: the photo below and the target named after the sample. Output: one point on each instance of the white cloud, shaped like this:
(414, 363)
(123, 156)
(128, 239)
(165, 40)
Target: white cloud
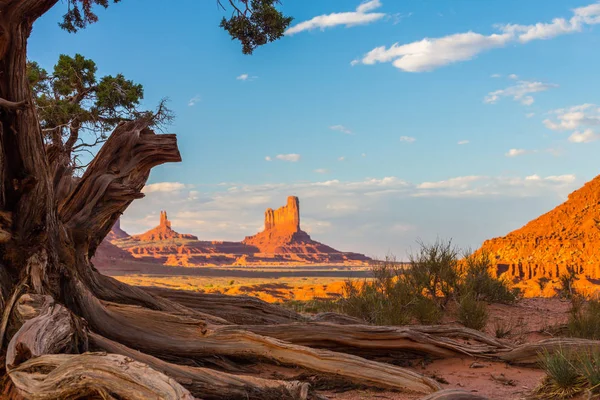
(192, 102)
(588, 15)
(321, 171)
(461, 182)
(428, 54)
(463, 142)
(340, 128)
(342, 158)
(246, 77)
(361, 16)
(529, 115)
(288, 157)
(363, 155)
(496, 76)
(568, 119)
(519, 92)
(268, 158)
(164, 187)
(431, 53)
(359, 215)
(407, 139)
(586, 136)
(515, 152)
(514, 77)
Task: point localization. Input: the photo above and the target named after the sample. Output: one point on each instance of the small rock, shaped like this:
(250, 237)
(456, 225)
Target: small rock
(477, 365)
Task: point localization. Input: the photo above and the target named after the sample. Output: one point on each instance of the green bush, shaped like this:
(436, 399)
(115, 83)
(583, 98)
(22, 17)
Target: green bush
(563, 380)
(477, 280)
(472, 313)
(566, 290)
(426, 311)
(588, 366)
(584, 319)
(434, 268)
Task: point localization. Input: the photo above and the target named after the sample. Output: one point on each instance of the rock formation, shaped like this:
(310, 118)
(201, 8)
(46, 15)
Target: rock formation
(116, 232)
(281, 242)
(162, 232)
(567, 236)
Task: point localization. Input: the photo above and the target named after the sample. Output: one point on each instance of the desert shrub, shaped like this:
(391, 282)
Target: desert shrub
(385, 299)
(478, 280)
(588, 366)
(584, 318)
(314, 306)
(563, 380)
(543, 282)
(565, 288)
(426, 311)
(502, 328)
(472, 313)
(434, 269)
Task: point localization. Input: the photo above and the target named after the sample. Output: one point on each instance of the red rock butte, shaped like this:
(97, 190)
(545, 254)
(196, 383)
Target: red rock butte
(567, 236)
(281, 242)
(162, 232)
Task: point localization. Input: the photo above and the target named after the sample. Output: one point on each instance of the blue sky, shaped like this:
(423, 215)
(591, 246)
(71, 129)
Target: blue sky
(360, 109)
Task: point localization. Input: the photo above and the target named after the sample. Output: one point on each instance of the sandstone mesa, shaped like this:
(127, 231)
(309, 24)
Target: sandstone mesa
(281, 242)
(566, 237)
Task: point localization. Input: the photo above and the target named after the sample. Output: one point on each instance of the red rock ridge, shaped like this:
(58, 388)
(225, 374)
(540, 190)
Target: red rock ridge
(567, 236)
(162, 232)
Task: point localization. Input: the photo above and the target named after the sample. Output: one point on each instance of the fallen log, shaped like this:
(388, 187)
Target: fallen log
(210, 384)
(529, 353)
(90, 375)
(453, 394)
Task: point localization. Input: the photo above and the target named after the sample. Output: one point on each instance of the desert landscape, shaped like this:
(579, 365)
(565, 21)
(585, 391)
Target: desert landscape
(410, 272)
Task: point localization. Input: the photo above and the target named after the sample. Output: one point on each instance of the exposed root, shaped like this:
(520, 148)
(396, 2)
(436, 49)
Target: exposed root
(108, 376)
(529, 353)
(53, 330)
(210, 384)
(160, 333)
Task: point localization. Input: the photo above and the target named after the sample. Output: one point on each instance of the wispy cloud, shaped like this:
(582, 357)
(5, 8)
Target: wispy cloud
(520, 92)
(361, 16)
(288, 157)
(530, 115)
(407, 139)
(515, 152)
(496, 76)
(514, 77)
(192, 102)
(342, 158)
(582, 120)
(268, 158)
(164, 187)
(340, 128)
(321, 171)
(246, 77)
(431, 53)
(463, 142)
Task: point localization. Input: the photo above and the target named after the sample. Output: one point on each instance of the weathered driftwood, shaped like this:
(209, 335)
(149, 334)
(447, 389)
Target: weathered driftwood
(165, 334)
(210, 384)
(529, 353)
(453, 394)
(435, 341)
(52, 329)
(90, 375)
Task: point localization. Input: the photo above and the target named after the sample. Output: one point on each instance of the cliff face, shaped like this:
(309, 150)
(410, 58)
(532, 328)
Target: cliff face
(568, 236)
(162, 232)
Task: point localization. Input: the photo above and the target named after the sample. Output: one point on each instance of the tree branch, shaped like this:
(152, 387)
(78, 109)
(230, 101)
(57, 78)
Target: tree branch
(13, 105)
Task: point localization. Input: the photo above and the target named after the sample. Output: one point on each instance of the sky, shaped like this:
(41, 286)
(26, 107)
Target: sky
(392, 121)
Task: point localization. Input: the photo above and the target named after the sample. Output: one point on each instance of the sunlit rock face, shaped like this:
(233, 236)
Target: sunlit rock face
(568, 236)
(162, 232)
(281, 242)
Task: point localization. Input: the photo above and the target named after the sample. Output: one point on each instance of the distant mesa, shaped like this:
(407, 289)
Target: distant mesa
(567, 236)
(281, 242)
(162, 232)
(116, 232)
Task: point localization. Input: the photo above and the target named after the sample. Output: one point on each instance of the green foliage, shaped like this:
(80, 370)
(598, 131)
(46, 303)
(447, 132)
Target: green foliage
(77, 109)
(256, 24)
(478, 281)
(584, 319)
(566, 290)
(80, 14)
(472, 313)
(426, 311)
(563, 380)
(588, 366)
(434, 268)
